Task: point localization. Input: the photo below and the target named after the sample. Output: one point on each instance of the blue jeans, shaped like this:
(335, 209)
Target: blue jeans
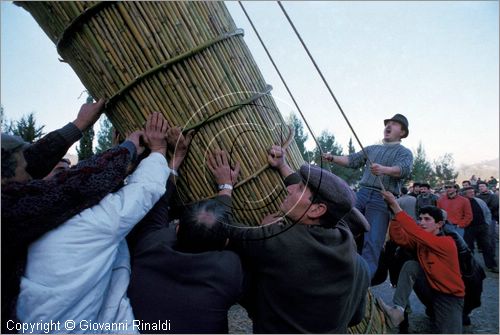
(373, 206)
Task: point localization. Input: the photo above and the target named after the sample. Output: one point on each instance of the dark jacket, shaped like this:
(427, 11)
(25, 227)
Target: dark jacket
(193, 291)
(305, 279)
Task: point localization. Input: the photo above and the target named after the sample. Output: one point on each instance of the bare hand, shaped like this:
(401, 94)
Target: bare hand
(391, 201)
(272, 218)
(276, 156)
(222, 171)
(135, 138)
(377, 169)
(155, 133)
(327, 156)
(179, 144)
(89, 114)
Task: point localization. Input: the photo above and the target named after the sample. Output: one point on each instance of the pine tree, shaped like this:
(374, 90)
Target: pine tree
(422, 169)
(27, 128)
(445, 170)
(104, 136)
(6, 125)
(327, 142)
(299, 136)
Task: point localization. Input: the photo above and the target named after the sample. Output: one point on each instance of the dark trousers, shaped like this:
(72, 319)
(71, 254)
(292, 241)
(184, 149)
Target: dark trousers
(481, 234)
(447, 309)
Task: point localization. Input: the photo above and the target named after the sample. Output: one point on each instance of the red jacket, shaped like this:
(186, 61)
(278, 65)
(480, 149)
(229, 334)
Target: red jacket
(458, 209)
(437, 255)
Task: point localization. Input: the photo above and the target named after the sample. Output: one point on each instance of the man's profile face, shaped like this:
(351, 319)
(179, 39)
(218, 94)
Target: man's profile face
(297, 202)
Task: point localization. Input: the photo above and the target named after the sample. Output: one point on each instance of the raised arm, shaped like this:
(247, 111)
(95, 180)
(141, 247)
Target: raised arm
(43, 155)
(340, 160)
(33, 208)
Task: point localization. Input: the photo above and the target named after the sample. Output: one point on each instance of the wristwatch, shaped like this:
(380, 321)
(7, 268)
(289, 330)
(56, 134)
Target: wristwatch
(225, 187)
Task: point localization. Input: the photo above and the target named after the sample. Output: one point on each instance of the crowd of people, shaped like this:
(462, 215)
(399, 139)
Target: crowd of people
(106, 245)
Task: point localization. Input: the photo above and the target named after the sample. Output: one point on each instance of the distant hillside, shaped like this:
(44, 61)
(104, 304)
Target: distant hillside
(484, 170)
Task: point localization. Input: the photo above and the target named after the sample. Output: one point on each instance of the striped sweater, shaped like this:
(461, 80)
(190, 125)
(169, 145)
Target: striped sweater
(387, 154)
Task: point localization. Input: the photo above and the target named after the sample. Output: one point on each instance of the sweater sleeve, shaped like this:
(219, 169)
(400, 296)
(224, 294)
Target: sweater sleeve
(43, 155)
(406, 233)
(357, 160)
(31, 209)
(404, 160)
(119, 212)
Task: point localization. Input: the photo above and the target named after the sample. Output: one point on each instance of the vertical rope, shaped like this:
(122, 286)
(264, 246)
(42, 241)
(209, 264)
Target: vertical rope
(329, 90)
(281, 77)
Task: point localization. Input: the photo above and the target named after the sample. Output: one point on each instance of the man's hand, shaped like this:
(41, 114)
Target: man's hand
(391, 201)
(328, 157)
(222, 171)
(135, 138)
(377, 169)
(89, 114)
(155, 133)
(276, 159)
(178, 145)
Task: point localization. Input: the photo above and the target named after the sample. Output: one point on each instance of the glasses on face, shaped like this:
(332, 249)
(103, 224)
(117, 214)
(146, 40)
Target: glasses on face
(448, 187)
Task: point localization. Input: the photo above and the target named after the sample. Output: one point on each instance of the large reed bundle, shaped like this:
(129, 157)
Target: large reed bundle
(187, 60)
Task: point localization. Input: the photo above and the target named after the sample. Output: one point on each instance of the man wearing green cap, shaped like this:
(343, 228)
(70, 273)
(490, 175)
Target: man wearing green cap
(388, 165)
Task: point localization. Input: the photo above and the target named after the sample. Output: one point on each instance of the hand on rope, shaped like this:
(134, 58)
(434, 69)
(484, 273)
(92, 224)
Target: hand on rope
(377, 169)
(328, 157)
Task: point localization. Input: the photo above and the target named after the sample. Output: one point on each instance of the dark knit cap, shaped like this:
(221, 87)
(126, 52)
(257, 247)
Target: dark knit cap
(335, 191)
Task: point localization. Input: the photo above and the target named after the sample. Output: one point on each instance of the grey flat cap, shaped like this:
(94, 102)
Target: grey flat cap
(328, 186)
(13, 143)
(335, 190)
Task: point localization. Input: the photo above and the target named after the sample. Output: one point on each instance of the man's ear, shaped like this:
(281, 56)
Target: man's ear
(315, 211)
(440, 223)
